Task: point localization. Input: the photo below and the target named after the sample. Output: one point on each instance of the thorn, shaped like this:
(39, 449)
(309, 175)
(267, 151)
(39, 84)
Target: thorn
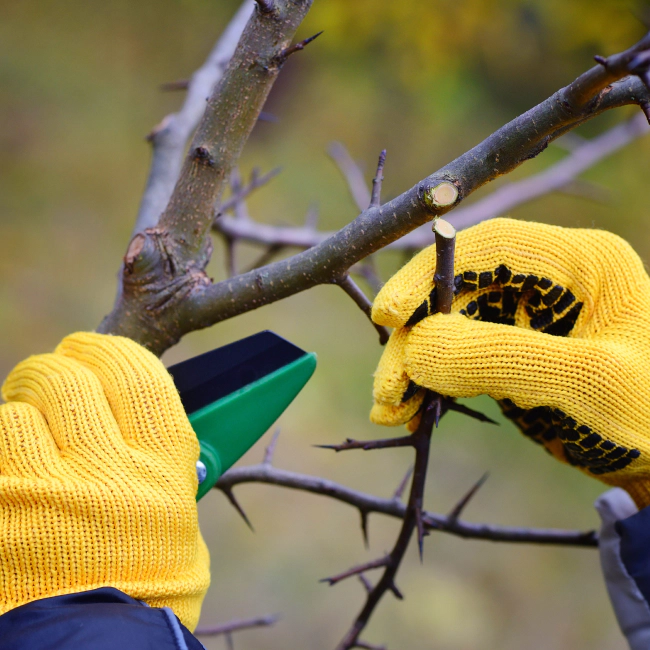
(230, 644)
(266, 6)
(180, 84)
(365, 582)
(375, 200)
(438, 408)
(231, 497)
(397, 593)
(645, 107)
(364, 527)
(265, 116)
(465, 410)
(270, 450)
(399, 492)
(420, 526)
(601, 60)
(286, 53)
(367, 445)
(460, 506)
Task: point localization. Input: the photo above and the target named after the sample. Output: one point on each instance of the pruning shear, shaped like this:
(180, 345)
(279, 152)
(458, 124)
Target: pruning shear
(233, 394)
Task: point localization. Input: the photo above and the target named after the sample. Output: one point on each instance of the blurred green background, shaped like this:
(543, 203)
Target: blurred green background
(79, 90)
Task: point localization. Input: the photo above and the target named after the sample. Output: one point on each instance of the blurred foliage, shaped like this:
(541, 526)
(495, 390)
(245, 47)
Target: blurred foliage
(79, 90)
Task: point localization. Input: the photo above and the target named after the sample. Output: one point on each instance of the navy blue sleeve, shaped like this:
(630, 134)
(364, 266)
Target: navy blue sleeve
(101, 619)
(635, 549)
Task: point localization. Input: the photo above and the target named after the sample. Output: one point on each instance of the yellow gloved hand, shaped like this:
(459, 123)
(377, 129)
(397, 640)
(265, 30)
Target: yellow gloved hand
(574, 371)
(98, 479)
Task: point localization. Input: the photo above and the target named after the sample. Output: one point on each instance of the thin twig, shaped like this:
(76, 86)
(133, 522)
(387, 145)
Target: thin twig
(236, 626)
(351, 173)
(458, 509)
(399, 491)
(169, 140)
(270, 450)
(256, 181)
(375, 200)
(354, 291)
(365, 582)
(391, 507)
(357, 570)
(368, 445)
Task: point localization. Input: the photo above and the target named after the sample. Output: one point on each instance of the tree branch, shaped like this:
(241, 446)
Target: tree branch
(394, 507)
(236, 626)
(352, 289)
(583, 155)
(170, 137)
(352, 174)
(521, 139)
(166, 263)
(166, 292)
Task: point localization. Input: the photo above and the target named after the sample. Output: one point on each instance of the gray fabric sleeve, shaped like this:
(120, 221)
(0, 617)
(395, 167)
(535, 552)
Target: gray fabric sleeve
(631, 609)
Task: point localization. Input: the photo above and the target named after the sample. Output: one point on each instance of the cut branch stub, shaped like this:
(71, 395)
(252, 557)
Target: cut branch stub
(441, 195)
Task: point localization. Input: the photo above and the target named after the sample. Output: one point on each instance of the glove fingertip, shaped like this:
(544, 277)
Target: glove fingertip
(391, 415)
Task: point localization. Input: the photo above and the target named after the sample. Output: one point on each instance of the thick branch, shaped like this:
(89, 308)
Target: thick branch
(195, 303)
(230, 115)
(582, 156)
(521, 139)
(165, 265)
(170, 137)
(394, 507)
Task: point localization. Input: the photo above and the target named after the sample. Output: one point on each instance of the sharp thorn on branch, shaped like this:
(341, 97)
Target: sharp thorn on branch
(368, 445)
(270, 450)
(601, 60)
(399, 491)
(170, 86)
(461, 505)
(364, 527)
(645, 107)
(287, 52)
(265, 116)
(230, 495)
(396, 592)
(375, 199)
(465, 410)
(438, 409)
(421, 532)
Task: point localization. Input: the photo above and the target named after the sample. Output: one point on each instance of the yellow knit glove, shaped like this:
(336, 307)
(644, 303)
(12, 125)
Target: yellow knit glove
(574, 372)
(98, 479)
